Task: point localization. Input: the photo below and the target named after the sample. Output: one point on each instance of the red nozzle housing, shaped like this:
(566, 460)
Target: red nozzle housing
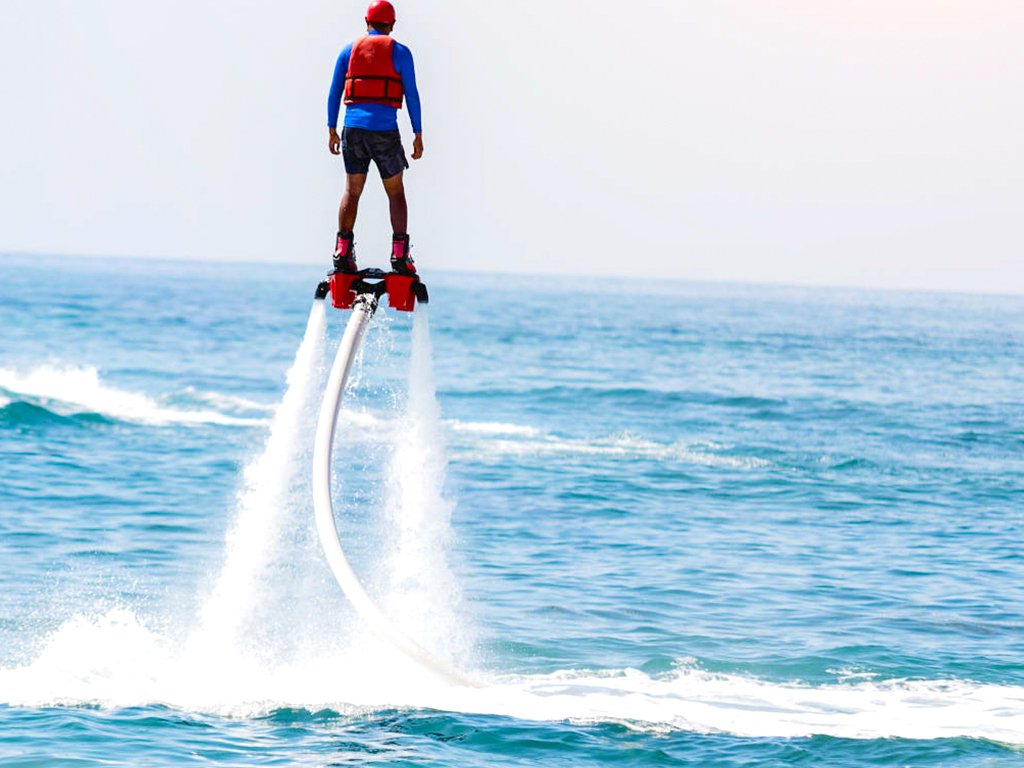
(342, 295)
(400, 292)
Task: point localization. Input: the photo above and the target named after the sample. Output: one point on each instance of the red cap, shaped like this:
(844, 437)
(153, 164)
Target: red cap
(381, 12)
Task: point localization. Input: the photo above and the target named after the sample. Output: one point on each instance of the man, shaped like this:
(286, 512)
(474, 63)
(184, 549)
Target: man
(374, 73)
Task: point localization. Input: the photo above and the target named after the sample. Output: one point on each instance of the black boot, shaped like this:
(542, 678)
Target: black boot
(345, 253)
(401, 261)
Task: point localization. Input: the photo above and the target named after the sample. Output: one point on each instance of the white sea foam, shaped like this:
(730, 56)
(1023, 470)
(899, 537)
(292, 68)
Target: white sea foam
(365, 419)
(491, 428)
(695, 700)
(499, 439)
(80, 390)
(116, 661)
(627, 446)
(227, 402)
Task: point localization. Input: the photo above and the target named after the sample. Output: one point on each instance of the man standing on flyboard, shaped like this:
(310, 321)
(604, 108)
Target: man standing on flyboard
(374, 73)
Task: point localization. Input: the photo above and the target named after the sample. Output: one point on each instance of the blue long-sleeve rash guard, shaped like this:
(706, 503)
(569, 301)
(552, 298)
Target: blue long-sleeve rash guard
(375, 117)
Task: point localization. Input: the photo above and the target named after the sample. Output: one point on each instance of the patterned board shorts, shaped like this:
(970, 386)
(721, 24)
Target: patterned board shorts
(359, 147)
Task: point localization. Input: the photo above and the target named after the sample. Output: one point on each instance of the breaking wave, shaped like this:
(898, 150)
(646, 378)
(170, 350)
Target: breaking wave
(67, 391)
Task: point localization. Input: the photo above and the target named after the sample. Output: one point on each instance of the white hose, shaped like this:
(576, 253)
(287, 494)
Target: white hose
(323, 506)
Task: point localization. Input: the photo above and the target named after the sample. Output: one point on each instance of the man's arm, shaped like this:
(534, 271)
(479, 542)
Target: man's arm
(334, 100)
(406, 68)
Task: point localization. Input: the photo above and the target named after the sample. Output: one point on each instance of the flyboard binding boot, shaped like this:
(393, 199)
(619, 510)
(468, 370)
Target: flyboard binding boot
(345, 254)
(347, 282)
(401, 261)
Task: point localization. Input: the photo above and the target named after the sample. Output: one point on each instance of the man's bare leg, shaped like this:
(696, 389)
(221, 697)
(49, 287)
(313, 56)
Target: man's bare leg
(395, 188)
(401, 262)
(354, 183)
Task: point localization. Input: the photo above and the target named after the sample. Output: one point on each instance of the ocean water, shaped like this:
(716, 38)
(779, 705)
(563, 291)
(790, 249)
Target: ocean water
(658, 523)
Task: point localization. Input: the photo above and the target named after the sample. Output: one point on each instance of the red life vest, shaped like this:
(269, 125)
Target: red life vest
(372, 77)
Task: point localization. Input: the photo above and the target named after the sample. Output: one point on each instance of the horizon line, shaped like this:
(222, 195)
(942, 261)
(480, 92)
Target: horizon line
(824, 285)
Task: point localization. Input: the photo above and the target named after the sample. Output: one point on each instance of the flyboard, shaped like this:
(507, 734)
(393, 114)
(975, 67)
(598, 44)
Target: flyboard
(361, 292)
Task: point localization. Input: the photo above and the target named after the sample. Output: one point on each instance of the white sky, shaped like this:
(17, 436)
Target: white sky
(862, 142)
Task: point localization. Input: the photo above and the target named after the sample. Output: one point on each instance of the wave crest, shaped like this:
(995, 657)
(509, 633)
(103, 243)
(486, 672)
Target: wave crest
(73, 390)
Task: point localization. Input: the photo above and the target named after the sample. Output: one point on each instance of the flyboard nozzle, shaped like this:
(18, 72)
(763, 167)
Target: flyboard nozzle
(344, 287)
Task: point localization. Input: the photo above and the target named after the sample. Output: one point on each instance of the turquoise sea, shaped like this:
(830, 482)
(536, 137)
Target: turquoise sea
(662, 524)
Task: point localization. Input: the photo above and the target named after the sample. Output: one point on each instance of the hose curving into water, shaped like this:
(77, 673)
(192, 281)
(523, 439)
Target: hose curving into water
(323, 505)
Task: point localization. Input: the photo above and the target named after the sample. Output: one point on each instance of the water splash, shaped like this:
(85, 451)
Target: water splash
(274, 500)
(117, 661)
(423, 596)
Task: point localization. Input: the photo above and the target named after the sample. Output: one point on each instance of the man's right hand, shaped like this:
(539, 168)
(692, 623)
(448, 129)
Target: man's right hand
(334, 143)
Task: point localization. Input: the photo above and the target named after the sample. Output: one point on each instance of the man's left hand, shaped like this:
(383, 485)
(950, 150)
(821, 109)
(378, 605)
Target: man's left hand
(417, 146)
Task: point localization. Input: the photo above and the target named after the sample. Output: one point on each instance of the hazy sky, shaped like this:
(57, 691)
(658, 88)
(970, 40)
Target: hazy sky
(865, 142)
